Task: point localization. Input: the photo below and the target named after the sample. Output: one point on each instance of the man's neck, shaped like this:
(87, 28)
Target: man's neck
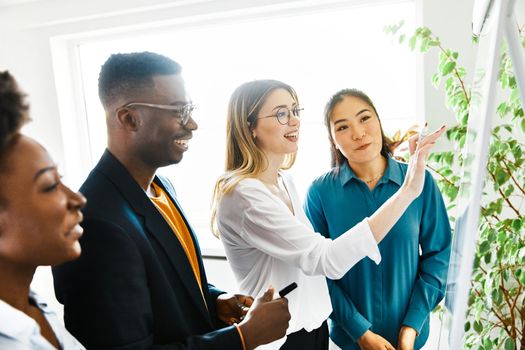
(140, 171)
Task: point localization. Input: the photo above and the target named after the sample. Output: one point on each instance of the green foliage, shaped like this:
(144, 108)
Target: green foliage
(496, 310)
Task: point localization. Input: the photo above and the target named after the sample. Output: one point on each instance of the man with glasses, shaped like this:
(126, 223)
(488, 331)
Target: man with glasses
(140, 281)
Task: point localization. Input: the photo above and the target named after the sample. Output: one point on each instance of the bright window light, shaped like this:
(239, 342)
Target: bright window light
(318, 54)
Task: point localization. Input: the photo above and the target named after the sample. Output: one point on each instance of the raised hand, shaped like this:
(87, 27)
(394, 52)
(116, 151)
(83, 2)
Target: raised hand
(419, 151)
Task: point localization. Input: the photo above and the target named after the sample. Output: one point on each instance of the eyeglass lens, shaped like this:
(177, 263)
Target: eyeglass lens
(283, 114)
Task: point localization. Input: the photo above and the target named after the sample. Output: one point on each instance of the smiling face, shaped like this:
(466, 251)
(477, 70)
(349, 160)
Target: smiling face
(40, 215)
(356, 130)
(161, 139)
(274, 138)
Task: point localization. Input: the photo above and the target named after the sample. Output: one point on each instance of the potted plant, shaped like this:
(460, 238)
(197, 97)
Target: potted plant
(496, 308)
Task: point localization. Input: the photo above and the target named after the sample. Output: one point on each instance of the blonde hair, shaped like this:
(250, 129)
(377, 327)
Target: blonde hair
(244, 158)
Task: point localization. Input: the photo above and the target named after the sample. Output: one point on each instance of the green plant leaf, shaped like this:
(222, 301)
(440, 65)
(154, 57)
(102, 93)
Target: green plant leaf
(412, 42)
(436, 79)
(501, 176)
(516, 225)
(448, 67)
(510, 344)
(478, 327)
(484, 247)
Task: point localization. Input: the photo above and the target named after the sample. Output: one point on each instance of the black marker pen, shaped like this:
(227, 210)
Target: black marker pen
(287, 289)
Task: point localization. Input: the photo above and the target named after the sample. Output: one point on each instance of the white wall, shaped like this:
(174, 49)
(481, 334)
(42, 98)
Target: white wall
(451, 21)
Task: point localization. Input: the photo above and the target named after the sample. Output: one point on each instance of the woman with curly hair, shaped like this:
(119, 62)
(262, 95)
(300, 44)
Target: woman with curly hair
(39, 225)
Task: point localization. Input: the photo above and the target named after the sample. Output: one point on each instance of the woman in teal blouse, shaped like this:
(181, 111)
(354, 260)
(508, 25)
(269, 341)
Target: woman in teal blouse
(386, 305)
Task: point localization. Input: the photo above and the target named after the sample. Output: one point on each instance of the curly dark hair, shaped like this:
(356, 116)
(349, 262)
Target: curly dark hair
(13, 109)
(13, 114)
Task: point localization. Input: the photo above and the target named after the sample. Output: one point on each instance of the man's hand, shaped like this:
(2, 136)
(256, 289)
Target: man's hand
(266, 321)
(407, 338)
(232, 308)
(372, 341)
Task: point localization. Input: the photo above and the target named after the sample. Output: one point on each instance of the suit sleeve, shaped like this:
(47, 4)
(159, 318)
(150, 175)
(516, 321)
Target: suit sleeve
(106, 297)
(434, 239)
(344, 313)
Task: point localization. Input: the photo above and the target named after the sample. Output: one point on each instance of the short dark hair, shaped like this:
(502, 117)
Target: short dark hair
(125, 73)
(337, 158)
(13, 110)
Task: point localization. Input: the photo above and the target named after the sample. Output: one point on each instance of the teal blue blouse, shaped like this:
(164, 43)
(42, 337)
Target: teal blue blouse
(410, 280)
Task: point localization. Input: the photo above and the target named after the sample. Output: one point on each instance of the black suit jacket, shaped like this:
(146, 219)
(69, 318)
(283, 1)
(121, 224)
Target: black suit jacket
(133, 286)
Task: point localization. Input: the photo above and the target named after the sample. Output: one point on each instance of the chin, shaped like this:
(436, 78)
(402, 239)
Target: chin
(73, 252)
(174, 159)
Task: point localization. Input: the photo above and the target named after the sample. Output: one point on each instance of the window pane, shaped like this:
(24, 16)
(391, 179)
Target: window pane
(318, 54)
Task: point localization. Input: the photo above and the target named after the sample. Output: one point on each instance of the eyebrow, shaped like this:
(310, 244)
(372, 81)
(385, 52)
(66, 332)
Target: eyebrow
(357, 115)
(284, 106)
(42, 171)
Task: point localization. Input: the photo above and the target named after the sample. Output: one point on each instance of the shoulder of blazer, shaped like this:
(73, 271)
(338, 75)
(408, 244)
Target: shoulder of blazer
(110, 183)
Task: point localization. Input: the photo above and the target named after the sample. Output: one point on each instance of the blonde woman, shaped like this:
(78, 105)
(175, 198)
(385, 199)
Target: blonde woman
(258, 215)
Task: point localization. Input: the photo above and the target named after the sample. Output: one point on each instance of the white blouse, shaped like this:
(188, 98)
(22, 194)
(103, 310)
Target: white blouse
(18, 331)
(266, 244)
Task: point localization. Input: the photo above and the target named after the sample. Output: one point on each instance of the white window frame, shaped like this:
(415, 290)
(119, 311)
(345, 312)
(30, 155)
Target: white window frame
(167, 17)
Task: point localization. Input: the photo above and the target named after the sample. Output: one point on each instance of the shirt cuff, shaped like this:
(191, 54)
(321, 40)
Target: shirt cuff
(369, 242)
(416, 319)
(358, 328)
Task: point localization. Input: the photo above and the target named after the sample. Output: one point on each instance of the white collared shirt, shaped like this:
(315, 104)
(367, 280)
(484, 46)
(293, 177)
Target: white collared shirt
(18, 331)
(266, 243)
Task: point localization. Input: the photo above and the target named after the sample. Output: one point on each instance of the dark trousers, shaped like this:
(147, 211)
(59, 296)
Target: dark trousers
(303, 340)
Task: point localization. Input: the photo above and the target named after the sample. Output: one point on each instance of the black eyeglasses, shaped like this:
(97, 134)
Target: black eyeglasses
(184, 112)
(284, 114)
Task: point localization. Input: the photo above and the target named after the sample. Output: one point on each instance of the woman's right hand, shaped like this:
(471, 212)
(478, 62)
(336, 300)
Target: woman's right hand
(372, 341)
(419, 151)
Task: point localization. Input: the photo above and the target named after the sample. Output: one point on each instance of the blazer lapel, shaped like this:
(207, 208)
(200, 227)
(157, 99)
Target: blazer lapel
(156, 225)
(168, 188)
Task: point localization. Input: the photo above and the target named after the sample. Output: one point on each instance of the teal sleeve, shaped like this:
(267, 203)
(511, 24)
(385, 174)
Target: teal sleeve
(434, 239)
(345, 314)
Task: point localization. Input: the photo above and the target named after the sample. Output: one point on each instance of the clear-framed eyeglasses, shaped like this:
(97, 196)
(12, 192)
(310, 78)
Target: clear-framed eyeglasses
(283, 114)
(183, 112)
